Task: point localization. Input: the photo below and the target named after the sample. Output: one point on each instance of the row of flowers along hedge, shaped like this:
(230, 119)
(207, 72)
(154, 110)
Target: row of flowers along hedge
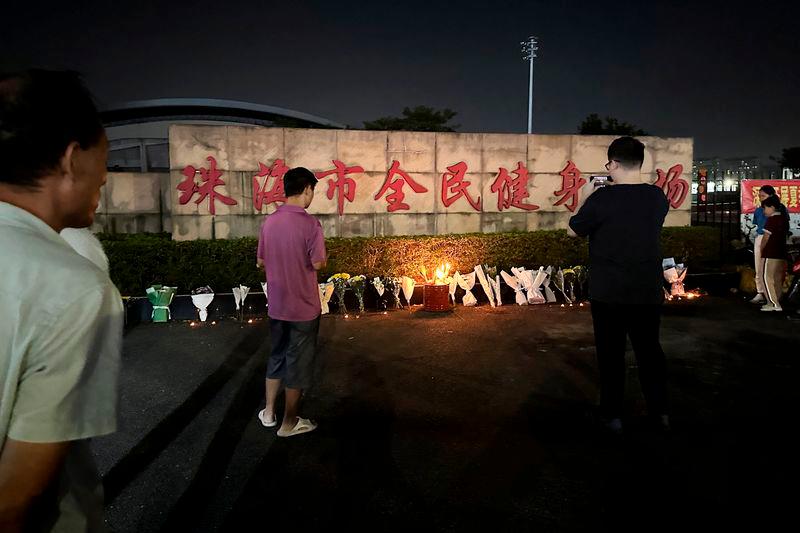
(138, 261)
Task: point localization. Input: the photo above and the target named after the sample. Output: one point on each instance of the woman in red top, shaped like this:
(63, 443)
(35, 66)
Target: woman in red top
(773, 252)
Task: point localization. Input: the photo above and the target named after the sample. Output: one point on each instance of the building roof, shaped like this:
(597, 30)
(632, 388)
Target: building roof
(161, 109)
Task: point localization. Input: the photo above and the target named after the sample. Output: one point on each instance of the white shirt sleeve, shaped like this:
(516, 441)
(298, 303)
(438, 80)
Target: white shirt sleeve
(86, 244)
(68, 384)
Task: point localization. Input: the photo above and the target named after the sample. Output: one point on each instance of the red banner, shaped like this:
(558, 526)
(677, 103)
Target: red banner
(788, 190)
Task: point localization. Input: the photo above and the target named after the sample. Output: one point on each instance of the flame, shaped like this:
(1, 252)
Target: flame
(688, 295)
(442, 272)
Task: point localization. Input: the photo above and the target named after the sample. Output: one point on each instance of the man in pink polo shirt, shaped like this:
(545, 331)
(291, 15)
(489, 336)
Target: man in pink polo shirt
(291, 248)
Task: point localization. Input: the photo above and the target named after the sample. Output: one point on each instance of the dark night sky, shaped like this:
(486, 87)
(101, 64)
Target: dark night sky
(724, 74)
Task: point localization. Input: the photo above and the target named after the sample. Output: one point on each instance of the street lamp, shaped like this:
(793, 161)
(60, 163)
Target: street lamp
(529, 49)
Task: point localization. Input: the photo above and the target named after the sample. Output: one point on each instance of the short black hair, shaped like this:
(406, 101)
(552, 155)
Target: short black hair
(768, 189)
(772, 201)
(627, 151)
(297, 179)
(41, 113)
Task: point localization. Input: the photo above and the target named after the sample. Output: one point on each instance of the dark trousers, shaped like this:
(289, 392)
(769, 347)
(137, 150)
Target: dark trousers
(613, 324)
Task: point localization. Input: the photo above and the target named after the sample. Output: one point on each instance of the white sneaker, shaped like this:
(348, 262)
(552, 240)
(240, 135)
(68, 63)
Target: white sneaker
(759, 299)
(770, 307)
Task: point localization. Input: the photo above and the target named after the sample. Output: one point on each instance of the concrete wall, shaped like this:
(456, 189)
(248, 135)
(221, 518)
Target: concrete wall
(240, 150)
(134, 202)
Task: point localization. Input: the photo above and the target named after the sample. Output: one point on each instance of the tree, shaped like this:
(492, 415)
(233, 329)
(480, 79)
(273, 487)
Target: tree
(790, 158)
(421, 118)
(593, 125)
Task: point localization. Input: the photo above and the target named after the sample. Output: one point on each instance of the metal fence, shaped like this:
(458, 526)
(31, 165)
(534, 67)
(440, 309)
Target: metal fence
(722, 210)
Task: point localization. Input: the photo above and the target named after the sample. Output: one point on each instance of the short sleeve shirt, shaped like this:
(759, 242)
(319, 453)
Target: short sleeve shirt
(623, 223)
(290, 242)
(775, 227)
(61, 324)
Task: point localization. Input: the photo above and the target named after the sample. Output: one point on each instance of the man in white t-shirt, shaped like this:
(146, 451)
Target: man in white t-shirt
(60, 316)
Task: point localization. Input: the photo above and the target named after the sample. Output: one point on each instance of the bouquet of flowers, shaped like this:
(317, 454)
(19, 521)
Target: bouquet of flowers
(494, 282)
(380, 288)
(581, 281)
(325, 293)
(201, 298)
(408, 285)
(160, 297)
(394, 285)
(467, 282)
(358, 283)
(239, 295)
(515, 283)
(560, 282)
(549, 295)
(339, 287)
(481, 275)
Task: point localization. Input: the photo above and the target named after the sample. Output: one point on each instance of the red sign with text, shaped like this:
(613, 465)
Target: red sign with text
(787, 190)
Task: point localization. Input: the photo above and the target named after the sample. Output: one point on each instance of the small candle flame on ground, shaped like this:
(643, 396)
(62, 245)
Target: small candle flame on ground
(192, 324)
(688, 295)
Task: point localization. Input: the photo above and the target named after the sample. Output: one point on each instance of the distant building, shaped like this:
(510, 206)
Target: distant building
(724, 174)
(790, 174)
(138, 132)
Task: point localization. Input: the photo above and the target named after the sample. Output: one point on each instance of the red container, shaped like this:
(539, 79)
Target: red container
(436, 298)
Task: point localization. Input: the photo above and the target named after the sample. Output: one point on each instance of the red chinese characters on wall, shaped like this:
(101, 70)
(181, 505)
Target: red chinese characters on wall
(263, 194)
(571, 183)
(512, 192)
(511, 187)
(673, 185)
(210, 180)
(396, 197)
(343, 187)
(454, 186)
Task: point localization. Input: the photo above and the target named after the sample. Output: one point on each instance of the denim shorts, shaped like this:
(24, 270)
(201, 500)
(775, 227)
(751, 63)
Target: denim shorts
(294, 349)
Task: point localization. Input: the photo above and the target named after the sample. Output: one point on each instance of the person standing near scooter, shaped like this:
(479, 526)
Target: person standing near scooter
(773, 252)
(760, 219)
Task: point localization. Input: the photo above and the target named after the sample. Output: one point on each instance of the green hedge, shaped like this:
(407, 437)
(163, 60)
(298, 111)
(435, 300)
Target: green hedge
(138, 261)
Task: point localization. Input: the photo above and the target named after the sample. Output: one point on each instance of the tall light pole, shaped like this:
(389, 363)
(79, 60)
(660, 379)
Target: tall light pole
(529, 49)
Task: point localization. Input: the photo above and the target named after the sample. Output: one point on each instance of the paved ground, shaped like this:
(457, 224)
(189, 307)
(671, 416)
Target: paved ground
(463, 422)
